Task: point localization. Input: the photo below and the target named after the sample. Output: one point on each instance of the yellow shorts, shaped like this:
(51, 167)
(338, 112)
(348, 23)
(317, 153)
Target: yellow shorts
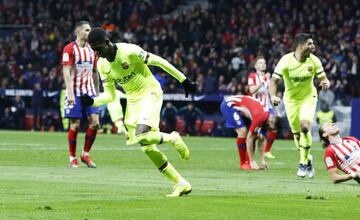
(145, 111)
(300, 110)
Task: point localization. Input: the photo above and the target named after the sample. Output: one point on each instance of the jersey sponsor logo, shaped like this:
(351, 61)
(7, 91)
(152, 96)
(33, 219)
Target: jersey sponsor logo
(329, 162)
(126, 78)
(300, 79)
(65, 57)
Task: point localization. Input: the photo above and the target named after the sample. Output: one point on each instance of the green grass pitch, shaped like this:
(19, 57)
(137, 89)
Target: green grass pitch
(35, 183)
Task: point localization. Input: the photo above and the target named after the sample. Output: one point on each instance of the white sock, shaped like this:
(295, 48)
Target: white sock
(72, 158)
(84, 153)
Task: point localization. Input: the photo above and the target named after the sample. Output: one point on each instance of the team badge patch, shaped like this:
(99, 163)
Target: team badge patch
(329, 162)
(65, 57)
(125, 66)
(310, 68)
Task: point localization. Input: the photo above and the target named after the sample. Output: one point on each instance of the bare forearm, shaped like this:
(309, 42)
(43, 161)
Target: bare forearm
(261, 147)
(337, 178)
(68, 81)
(96, 81)
(250, 146)
(254, 88)
(273, 86)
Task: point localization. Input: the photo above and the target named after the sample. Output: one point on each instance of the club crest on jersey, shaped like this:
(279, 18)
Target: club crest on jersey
(125, 65)
(310, 68)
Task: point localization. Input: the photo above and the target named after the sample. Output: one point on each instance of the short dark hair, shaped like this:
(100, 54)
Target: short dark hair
(325, 140)
(258, 58)
(97, 35)
(301, 39)
(81, 23)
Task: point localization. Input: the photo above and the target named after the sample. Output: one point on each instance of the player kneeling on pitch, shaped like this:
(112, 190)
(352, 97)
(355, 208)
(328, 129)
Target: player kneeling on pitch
(127, 65)
(234, 108)
(340, 154)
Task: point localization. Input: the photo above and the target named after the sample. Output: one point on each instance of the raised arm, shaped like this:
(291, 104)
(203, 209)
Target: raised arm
(154, 60)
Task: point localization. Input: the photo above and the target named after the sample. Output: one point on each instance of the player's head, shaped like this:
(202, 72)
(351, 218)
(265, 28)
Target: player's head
(305, 44)
(325, 107)
(99, 42)
(82, 29)
(260, 64)
(326, 130)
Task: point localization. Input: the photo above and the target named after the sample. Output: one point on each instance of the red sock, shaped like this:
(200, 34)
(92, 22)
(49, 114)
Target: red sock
(72, 136)
(270, 137)
(241, 145)
(89, 139)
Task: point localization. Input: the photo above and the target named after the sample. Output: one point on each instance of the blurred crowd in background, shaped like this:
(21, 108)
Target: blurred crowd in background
(215, 45)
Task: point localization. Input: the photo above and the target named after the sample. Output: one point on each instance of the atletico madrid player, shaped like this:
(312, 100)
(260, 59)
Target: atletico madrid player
(80, 76)
(340, 154)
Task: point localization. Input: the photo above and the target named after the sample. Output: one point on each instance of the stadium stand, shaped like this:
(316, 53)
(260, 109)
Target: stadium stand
(215, 45)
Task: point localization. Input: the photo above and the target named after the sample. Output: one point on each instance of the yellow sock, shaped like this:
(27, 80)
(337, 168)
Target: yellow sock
(308, 138)
(306, 154)
(170, 172)
(302, 155)
(303, 140)
(155, 155)
(296, 140)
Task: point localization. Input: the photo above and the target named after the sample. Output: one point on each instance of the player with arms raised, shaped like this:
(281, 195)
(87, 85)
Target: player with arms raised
(340, 153)
(127, 65)
(80, 76)
(298, 70)
(259, 82)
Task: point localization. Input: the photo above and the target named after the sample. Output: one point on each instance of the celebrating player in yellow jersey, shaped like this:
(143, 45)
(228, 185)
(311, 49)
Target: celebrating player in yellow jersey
(127, 65)
(298, 69)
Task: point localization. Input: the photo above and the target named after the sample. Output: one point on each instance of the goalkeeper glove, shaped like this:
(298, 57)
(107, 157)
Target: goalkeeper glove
(86, 100)
(189, 87)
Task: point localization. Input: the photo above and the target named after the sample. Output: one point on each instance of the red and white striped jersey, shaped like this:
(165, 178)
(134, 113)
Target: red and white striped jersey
(247, 105)
(250, 108)
(83, 62)
(262, 94)
(344, 156)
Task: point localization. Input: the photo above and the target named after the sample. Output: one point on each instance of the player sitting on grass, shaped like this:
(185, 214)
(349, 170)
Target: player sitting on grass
(127, 65)
(234, 108)
(340, 153)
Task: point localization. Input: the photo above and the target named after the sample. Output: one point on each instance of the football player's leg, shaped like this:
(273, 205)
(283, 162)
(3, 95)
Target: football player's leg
(93, 121)
(233, 120)
(271, 135)
(73, 112)
(147, 128)
(72, 139)
(116, 113)
(307, 114)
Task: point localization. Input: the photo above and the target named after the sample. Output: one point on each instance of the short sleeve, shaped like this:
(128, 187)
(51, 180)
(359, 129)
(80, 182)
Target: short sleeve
(68, 55)
(252, 79)
(319, 69)
(280, 67)
(329, 159)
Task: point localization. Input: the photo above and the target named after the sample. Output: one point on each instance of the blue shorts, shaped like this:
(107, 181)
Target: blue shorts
(272, 111)
(232, 117)
(77, 110)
